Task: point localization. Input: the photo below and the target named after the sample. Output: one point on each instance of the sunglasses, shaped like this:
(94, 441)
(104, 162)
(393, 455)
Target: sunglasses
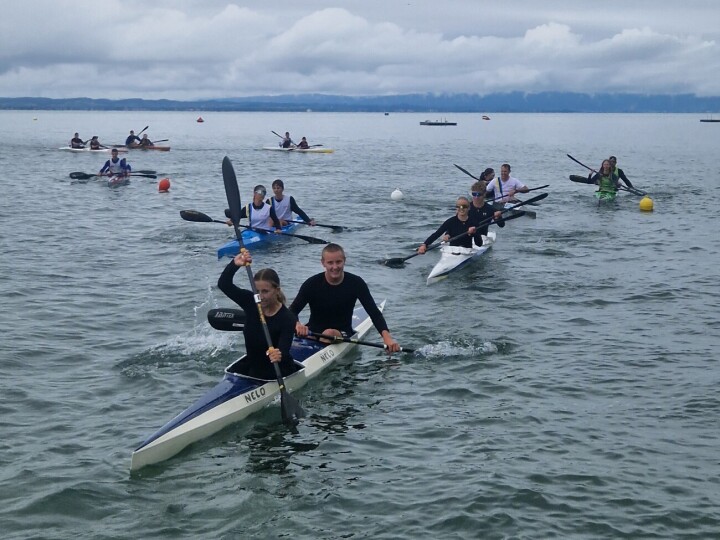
(260, 192)
(461, 206)
(477, 194)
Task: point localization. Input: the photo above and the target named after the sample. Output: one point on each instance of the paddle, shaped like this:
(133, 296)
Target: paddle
(291, 409)
(283, 138)
(233, 320)
(575, 178)
(466, 172)
(399, 262)
(86, 176)
(199, 217)
(145, 172)
(335, 228)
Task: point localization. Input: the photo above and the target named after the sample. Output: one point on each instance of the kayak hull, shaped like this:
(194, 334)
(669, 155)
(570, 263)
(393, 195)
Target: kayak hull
(255, 239)
(88, 150)
(237, 396)
(605, 196)
(156, 147)
(115, 181)
(322, 150)
(455, 258)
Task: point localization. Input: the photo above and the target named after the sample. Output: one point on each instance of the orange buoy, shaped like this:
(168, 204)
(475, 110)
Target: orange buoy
(164, 185)
(200, 119)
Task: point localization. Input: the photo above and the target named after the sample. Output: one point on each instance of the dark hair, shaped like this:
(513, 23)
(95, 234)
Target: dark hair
(485, 173)
(506, 165)
(332, 248)
(278, 182)
(271, 276)
(260, 187)
(613, 157)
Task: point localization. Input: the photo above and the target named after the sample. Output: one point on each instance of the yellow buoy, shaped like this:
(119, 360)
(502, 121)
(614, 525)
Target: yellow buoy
(646, 204)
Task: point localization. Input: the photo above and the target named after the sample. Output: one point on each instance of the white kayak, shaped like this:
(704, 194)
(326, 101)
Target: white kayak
(454, 258)
(87, 149)
(311, 150)
(117, 180)
(237, 396)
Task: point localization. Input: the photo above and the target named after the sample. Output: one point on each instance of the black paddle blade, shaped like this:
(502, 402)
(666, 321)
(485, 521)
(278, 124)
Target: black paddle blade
(81, 176)
(194, 215)
(146, 172)
(291, 409)
(581, 179)
(231, 190)
(466, 172)
(311, 239)
(227, 319)
(397, 262)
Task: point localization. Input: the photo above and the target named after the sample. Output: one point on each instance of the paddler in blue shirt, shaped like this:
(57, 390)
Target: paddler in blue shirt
(284, 206)
(115, 166)
(287, 141)
(260, 214)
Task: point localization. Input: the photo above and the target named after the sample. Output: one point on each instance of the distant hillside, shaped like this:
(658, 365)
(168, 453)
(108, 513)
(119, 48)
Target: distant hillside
(430, 103)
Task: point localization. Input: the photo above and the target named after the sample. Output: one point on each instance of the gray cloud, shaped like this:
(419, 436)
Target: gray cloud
(187, 50)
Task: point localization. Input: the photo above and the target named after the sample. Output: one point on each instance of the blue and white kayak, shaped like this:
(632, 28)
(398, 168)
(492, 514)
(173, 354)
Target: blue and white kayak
(454, 258)
(237, 396)
(252, 238)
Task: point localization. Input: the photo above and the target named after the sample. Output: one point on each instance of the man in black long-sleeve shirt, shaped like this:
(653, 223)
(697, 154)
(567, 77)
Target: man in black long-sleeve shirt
(332, 295)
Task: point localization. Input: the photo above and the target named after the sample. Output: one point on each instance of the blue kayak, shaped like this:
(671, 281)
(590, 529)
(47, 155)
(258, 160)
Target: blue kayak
(255, 239)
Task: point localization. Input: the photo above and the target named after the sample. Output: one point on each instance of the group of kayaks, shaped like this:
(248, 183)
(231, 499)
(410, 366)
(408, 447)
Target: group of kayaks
(120, 149)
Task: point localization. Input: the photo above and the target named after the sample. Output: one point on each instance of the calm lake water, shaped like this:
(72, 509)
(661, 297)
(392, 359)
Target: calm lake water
(565, 386)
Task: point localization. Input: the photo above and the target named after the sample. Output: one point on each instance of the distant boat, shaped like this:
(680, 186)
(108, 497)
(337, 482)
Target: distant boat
(387, 114)
(485, 117)
(200, 119)
(437, 123)
(711, 119)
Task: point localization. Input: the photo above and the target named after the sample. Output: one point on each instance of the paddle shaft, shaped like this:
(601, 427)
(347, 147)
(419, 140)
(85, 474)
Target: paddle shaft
(289, 407)
(336, 228)
(233, 320)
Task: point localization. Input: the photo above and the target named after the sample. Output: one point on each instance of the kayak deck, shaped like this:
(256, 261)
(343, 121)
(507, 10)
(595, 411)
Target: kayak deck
(253, 238)
(237, 396)
(455, 258)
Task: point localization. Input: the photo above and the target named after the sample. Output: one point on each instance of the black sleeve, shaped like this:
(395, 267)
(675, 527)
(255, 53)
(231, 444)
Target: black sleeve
(243, 213)
(295, 208)
(624, 178)
(437, 234)
(594, 178)
(241, 297)
(301, 300)
(274, 218)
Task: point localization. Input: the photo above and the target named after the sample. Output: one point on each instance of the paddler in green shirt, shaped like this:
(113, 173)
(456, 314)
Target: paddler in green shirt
(619, 172)
(606, 180)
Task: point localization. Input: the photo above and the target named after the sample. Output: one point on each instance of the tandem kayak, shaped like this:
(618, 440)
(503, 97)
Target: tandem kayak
(158, 147)
(454, 258)
(316, 150)
(88, 149)
(253, 238)
(237, 396)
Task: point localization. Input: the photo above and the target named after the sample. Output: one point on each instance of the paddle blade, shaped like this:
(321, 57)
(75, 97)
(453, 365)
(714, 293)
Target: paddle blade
(581, 179)
(397, 262)
(194, 215)
(291, 409)
(226, 319)
(146, 172)
(231, 190)
(466, 172)
(81, 176)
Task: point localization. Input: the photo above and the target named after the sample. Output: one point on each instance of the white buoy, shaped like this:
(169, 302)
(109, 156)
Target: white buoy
(397, 195)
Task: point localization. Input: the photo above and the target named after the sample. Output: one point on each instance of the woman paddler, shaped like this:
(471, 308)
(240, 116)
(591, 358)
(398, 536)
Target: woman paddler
(279, 319)
(606, 180)
(461, 222)
(260, 214)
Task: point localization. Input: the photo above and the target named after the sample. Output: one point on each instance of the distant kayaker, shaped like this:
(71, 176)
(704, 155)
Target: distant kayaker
(145, 141)
(287, 141)
(606, 180)
(303, 143)
(115, 166)
(503, 189)
(284, 206)
(132, 139)
(77, 142)
(332, 295)
(95, 143)
(279, 319)
(260, 214)
(461, 222)
(618, 171)
(481, 210)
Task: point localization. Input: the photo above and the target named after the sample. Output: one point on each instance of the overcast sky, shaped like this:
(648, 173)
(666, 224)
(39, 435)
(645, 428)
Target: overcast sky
(183, 49)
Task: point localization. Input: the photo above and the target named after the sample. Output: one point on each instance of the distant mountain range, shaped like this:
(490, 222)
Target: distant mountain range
(430, 103)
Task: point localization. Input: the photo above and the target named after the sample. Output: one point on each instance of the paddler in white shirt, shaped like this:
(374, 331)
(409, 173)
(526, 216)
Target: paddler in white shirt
(284, 206)
(503, 189)
(260, 214)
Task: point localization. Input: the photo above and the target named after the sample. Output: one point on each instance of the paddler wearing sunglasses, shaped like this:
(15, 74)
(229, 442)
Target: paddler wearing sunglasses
(483, 210)
(461, 222)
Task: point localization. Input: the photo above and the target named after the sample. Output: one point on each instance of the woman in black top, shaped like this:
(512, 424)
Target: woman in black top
(279, 319)
(461, 222)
